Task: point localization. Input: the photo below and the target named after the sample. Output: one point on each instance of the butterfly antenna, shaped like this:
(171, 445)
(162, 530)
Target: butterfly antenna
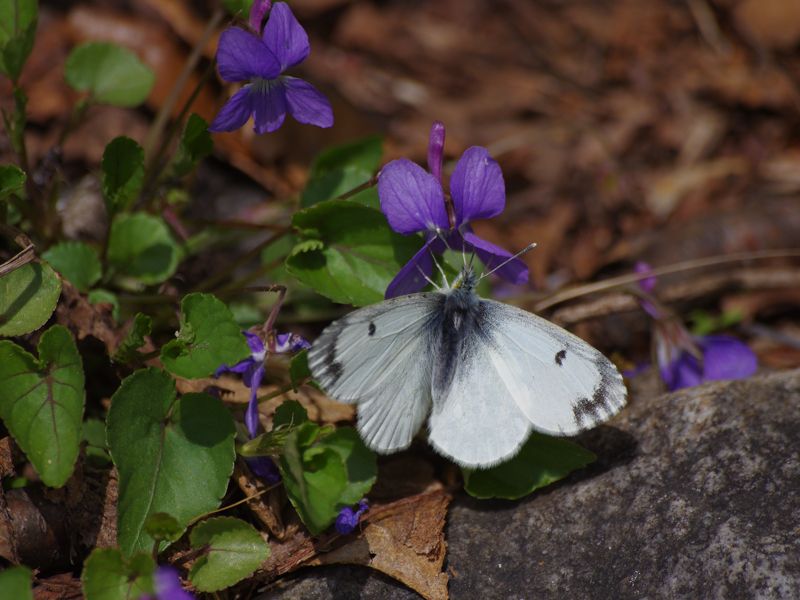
(505, 262)
(441, 270)
(441, 237)
(428, 279)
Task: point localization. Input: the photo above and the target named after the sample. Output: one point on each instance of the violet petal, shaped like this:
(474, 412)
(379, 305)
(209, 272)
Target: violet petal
(410, 280)
(263, 466)
(346, 521)
(241, 55)
(255, 343)
(269, 105)
(411, 198)
(286, 37)
(240, 367)
(257, 11)
(306, 104)
(648, 283)
(477, 186)
(167, 584)
(686, 372)
(235, 113)
(251, 416)
(436, 150)
(514, 271)
(725, 357)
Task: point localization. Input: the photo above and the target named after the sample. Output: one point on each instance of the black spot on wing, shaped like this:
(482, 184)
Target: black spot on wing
(372, 328)
(560, 356)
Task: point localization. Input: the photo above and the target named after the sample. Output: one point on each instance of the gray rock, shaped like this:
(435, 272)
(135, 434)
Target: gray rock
(694, 495)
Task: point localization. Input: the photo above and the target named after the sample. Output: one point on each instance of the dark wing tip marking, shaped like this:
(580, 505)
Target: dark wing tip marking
(334, 372)
(606, 401)
(560, 356)
(372, 328)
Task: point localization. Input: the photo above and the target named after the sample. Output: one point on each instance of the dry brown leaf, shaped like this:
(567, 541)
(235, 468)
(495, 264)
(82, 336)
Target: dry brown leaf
(82, 318)
(405, 541)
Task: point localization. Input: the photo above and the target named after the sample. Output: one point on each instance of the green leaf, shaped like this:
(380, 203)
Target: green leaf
(134, 339)
(28, 296)
(112, 75)
(209, 337)
(360, 461)
(195, 145)
(171, 456)
(233, 550)
(18, 20)
(94, 434)
(291, 412)
(12, 180)
(338, 182)
(16, 583)
(298, 369)
(108, 576)
(123, 173)
(352, 254)
(364, 153)
(100, 296)
(142, 247)
(163, 527)
(76, 262)
(41, 402)
(542, 460)
(314, 478)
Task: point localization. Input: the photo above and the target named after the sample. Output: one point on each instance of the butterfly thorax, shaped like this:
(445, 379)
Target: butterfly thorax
(461, 297)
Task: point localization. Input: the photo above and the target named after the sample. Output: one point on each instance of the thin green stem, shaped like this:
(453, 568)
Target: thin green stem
(244, 259)
(162, 116)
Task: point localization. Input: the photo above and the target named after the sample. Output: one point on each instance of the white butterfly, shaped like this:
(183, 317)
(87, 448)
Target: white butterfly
(487, 374)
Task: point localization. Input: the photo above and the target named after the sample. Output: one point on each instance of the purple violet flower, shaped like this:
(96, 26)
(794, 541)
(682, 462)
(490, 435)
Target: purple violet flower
(414, 201)
(252, 370)
(262, 59)
(167, 585)
(347, 519)
(685, 360)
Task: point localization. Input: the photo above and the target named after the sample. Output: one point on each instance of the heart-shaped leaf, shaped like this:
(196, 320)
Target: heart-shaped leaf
(107, 575)
(351, 254)
(28, 296)
(76, 262)
(171, 456)
(542, 460)
(232, 550)
(141, 246)
(209, 337)
(41, 402)
(16, 583)
(112, 75)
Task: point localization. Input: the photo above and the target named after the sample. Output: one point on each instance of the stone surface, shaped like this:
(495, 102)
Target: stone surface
(694, 495)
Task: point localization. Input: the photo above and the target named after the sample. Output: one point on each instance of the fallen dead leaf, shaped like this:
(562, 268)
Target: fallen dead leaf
(405, 541)
(82, 318)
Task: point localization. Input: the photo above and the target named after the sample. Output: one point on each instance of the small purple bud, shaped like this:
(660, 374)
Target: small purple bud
(257, 12)
(648, 283)
(436, 150)
(347, 519)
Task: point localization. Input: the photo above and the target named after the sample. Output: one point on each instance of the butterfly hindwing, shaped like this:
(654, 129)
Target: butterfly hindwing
(381, 357)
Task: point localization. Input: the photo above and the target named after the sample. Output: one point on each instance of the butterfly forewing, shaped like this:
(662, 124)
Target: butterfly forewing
(381, 357)
(560, 382)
